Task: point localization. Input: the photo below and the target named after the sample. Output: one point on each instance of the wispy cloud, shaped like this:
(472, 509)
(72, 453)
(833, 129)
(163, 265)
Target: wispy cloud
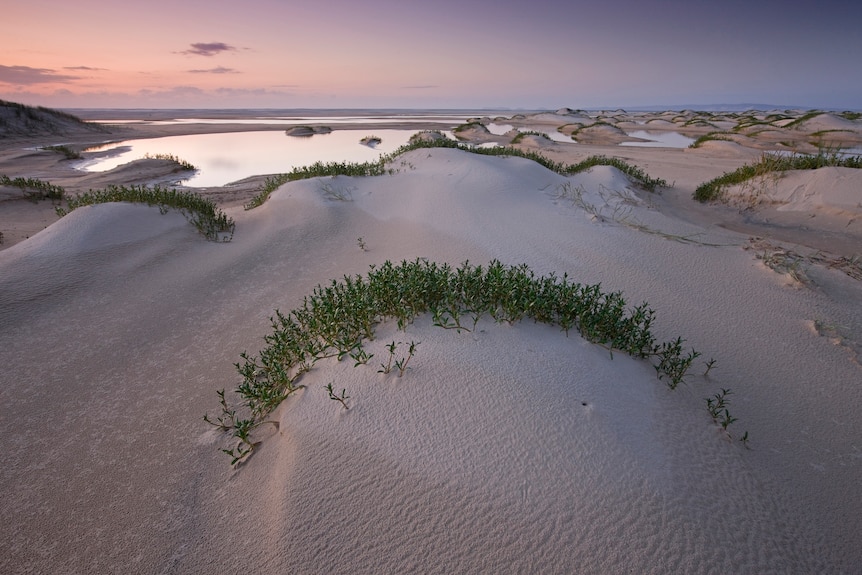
(27, 76)
(84, 68)
(208, 49)
(216, 70)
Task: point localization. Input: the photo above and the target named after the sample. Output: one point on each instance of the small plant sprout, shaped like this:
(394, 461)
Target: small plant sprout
(342, 399)
(744, 440)
(360, 356)
(717, 403)
(387, 367)
(709, 365)
(361, 243)
(726, 420)
(401, 364)
(238, 427)
(717, 407)
(672, 363)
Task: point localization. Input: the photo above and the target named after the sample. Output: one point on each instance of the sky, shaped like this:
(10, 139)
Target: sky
(531, 54)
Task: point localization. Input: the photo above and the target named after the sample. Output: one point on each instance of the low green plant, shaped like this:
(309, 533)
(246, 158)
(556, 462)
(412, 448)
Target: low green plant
(717, 405)
(673, 363)
(379, 167)
(467, 125)
(803, 118)
(66, 151)
(240, 428)
(521, 135)
(342, 399)
(401, 363)
(317, 170)
(637, 174)
(361, 243)
(386, 368)
(770, 164)
(270, 184)
(709, 365)
(171, 158)
(34, 189)
(336, 318)
(711, 137)
(597, 124)
(202, 213)
(360, 356)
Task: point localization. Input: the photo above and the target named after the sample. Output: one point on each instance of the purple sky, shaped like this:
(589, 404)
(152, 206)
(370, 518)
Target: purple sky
(440, 54)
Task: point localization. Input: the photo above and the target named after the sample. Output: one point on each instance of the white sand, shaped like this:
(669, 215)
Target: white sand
(118, 325)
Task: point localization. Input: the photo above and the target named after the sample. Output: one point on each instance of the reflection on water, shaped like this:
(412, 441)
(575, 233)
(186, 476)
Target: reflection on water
(228, 157)
(301, 120)
(659, 139)
(559, 137)
(499, 129)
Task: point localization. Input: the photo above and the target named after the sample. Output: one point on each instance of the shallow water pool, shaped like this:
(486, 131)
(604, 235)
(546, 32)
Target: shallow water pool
(659, 139)
(228, 157)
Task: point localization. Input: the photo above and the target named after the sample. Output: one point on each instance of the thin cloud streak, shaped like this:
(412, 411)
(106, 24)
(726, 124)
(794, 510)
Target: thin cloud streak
(208, 49)
(27, 76)
(216, 70)
(85, 68)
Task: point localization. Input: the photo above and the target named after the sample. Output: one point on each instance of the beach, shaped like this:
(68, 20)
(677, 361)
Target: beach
(505, 447)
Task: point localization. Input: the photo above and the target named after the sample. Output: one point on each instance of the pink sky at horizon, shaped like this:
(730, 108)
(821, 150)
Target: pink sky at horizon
(468, 54)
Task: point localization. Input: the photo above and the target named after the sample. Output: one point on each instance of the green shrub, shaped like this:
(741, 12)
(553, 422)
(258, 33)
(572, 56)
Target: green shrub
(34, 189)
(770, 164)
(337, 318)
(171, 158)
(378, 167)
(202, 213)
(68, 152)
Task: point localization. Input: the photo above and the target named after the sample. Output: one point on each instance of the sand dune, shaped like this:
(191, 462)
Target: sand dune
(511, 449)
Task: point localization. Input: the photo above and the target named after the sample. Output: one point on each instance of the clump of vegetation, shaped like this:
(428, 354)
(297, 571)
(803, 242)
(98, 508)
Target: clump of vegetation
(337, 318)
(201, 213)
(379, 167)
(68, 152)
(315, 170)
(717, 405)
(171, 158)
(342, 398)
(521, 135)
(34, 189)
(468, 125)
(711, 137)
(803, 118)
(598, 124)
(713, 190)
(637, 174)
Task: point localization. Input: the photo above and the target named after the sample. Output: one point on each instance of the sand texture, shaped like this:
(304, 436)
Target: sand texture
(507, 449)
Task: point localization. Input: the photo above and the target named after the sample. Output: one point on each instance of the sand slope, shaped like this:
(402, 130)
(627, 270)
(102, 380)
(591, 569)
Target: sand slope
(512, 449)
